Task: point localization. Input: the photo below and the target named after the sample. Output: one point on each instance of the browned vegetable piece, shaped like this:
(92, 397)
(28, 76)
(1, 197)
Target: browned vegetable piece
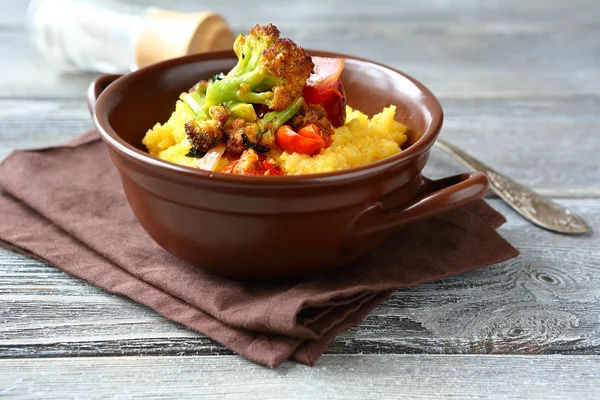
(270, 71)
(248, 164)
(292, 65)
(313, 114)
(235, 136)
(203, 134)
(219, 114)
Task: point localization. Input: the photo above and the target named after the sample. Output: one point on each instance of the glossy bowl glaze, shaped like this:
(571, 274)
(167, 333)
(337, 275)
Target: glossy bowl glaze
(266, 228)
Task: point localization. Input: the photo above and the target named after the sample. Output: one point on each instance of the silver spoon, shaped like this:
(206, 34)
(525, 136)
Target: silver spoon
(531, 205)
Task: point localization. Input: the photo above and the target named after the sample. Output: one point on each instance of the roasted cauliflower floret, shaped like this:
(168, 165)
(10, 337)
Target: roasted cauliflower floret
(270, 71)
(235, 136)
(219, 114)
(313, 114)
(249, 164)
(203, 135)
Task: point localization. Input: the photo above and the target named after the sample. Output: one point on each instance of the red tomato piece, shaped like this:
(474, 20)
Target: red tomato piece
(264, 168)
(271, 169)
(306, 141)
(324, 87)
(229, 168)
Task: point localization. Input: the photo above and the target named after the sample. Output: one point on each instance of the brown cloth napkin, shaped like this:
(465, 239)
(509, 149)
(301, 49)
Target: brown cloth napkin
(65, 205)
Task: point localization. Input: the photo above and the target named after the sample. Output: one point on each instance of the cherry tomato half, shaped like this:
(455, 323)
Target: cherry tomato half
(229, 168)
(306, 141)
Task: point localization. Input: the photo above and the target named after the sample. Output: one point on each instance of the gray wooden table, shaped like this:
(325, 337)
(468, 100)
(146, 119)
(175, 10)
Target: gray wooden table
(519, 82)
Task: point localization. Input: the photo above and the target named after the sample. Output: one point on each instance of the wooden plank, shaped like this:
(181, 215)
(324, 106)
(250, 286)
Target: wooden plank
(40, 123)
(548, 144)
(543, 302)
(334, 377)
(460, 49)
(524, 138)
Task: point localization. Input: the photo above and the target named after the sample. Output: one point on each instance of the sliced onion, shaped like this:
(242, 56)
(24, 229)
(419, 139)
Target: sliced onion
(327, 71)
(211, 159)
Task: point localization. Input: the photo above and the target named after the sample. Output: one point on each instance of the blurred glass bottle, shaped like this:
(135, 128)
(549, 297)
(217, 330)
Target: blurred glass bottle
(115, 37)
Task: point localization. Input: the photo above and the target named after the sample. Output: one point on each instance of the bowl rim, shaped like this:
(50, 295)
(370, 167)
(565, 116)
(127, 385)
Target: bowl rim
(116, 142)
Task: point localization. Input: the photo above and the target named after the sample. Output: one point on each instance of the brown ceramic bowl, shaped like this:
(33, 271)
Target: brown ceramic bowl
(249, 227)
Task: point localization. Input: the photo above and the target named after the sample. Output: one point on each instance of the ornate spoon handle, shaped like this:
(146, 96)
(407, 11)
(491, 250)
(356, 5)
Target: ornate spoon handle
(531, 205)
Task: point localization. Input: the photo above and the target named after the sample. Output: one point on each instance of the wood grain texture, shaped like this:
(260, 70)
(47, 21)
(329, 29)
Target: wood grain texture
(334, 377)
(460, 49)
(520, 85)
(543, 302)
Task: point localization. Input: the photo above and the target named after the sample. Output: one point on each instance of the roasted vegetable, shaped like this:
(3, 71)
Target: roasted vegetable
(195, 99)
(307, 140)
(270, 71)
(251, 163)
(270, 76)
(206, 129)
(324, 87)
(210, 160)
(242, 110)
(313, 114)
(203, 135)
(260, 134)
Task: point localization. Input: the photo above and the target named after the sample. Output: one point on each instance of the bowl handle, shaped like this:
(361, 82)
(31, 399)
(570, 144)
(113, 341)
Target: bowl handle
(435, 196)
(97, 86)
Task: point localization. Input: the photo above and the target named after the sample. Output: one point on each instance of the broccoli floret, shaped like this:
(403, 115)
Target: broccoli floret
(270, 71)
(195, 99)
(273, 120)
(206, 129)
(260, 134)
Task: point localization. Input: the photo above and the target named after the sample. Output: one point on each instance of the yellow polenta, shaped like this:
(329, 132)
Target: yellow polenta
(359, 141)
